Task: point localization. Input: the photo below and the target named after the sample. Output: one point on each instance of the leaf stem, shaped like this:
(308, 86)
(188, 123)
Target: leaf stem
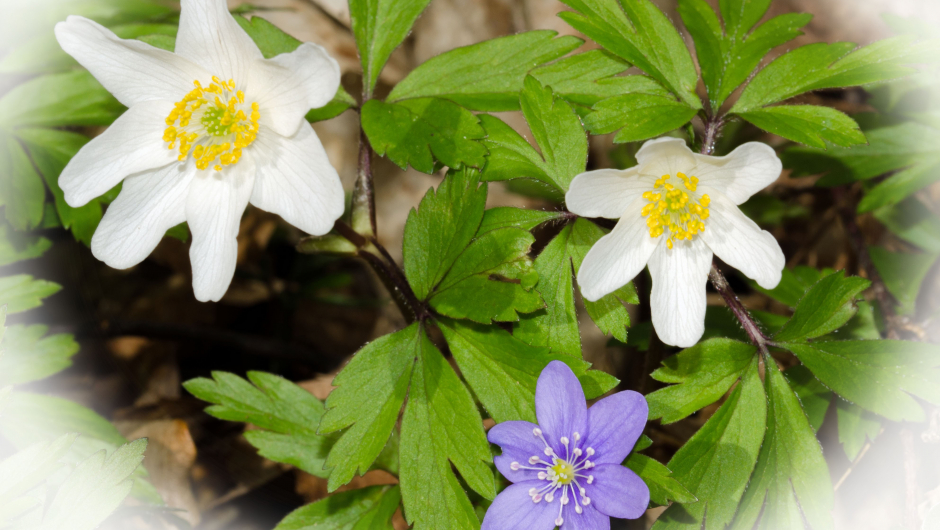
(713, 127)
(740, 312)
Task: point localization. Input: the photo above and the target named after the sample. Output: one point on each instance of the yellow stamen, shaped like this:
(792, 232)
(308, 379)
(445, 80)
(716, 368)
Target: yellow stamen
(674, 210)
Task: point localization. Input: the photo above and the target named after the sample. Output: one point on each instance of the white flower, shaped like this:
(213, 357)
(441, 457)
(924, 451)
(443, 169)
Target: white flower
(208, 129)
(676, 208)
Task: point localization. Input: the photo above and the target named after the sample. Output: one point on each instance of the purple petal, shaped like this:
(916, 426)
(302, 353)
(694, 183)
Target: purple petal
(518, 443)
(560, 405)
(615, 423)
(589, 518)
(618, 492)
(513, 509)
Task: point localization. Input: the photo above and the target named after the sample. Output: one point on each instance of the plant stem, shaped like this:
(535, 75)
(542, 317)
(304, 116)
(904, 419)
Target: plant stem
(363, 199)
(740, 312)
(713, 127)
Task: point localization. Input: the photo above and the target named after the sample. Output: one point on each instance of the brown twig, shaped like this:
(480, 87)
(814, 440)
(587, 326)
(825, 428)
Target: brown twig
(740, 312)
(713, 127)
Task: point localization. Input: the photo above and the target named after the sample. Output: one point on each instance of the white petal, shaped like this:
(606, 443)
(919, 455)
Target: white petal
(289, 85)
(134, 143)
(664, 156)
(739, 242)
(149, 204)
(132, 70)
(617, 257)
(606, 192)
(678, 299)
(210, 37)
(296, 181)
(742, 173)
(214, 209)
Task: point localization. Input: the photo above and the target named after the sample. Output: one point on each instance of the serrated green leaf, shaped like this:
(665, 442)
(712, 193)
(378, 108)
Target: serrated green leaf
(856, 425)
(913, 222)
(439, 230)
(647, 40)
(510, 217)
(347, 511)
(271, 40)
(596, 383)
(899, 186)
(22, 292)
(701, 375)
(24, 471)
(586, 78)
(663, 487)
(16, 246)
(819, 66)
(716, 462)
(21, 188)
(441, 426)
(790, 483)
(877, 375)
(28, 355)
(369, 395)
(491, 280)
(825, 307)
(793, 284)
(417, 132)
(288, 414)
(902, 273)
(59, 100)
(340, 103)
(487, 76)
(814, 397)
(379, 27)
(741, 15)
(501, 369)
(638, 116)
(807, 124)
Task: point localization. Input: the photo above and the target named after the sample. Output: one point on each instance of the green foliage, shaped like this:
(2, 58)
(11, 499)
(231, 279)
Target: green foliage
(487, 76)
(807, 124)
(288, 415)
(701, 375)
(825, 307)
(441, 426)
(370, 392)
(903, 274)
(856, 426)
(790, 483)
(913, 222)
(814, 397)
(879, 376)
(20, 247)
(638, 116)
(26, 470)
(586, 78)
(380, 26)
(23, 292)
(716, 462)
(663, 487)
(509, 217)
(28, 355)
(557, 131)
(362, 509)
(417, 131)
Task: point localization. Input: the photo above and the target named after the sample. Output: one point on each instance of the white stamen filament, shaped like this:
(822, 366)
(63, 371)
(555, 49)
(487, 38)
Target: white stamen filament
(561, 473)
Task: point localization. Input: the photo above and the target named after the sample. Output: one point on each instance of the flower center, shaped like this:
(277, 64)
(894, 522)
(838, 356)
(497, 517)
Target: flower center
(564, 474)
(213, 124)
(680, 212)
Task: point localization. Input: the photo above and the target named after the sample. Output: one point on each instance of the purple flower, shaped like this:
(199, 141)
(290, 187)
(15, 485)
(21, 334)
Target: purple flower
(566, 470)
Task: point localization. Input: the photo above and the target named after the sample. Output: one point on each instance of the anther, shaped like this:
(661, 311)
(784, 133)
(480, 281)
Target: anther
(564, 440)
(576, 436)
(590, 451)
(559, 521)
(533, 459)
(514, 466)
(585, 501)
(590, 479)
(537, 432)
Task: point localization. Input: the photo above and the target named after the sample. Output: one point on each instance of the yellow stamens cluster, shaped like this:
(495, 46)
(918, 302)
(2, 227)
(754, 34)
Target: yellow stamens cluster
(211, 125)
(674, 210)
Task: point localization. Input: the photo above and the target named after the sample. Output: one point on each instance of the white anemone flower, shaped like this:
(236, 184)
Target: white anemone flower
(208, 129)
(676, 209)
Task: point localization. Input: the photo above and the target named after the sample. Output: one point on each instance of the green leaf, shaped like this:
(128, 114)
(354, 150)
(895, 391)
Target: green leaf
(586, 78)
(638, 116)
(24, 471)
(486, 76)
(596, 383)
(21, 292)
(899, 186)
(369, 395)
(902, 273)
(814, 397)
(21, 188)
(741, 15)
(441, 426)
(825, 307)
(501, 369)
(360, 509)
(95, 489)
(856, 425)
(647, 40)
(15, 246)
(913, 222)
(702, 375)
(418, 131)
(793, 284)
(288, 415)
(716, 462)
(271, 40)
(808, 124)
(164, 42)
(28, 355)
(790, 483)
(59, 100)
(877, 375)
(340, 103)
(441, 228)
(491, 280)
(380, 26)
(663, 487)
(557, 131)
(510, 217)
(820, 66)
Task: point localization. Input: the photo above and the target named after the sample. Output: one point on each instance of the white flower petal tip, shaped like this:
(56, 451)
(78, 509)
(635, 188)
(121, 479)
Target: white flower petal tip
(677, 300)
(209, 36)
(605, 193)
(742, 173)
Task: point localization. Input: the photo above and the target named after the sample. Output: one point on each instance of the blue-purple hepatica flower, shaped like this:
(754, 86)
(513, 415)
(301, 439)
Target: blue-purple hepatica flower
(566, 471)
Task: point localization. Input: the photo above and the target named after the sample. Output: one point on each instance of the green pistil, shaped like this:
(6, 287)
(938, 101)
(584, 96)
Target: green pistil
(212, 121)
